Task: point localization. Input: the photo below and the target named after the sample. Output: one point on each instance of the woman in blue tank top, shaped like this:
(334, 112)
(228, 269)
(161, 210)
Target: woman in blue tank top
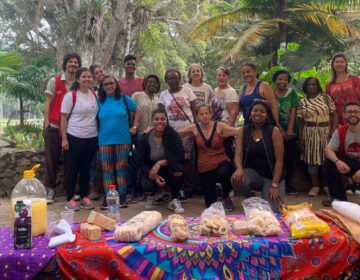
(255, 90)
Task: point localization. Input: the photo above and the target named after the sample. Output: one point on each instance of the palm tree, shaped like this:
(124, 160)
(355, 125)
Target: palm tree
(323, 22)
(9, 60)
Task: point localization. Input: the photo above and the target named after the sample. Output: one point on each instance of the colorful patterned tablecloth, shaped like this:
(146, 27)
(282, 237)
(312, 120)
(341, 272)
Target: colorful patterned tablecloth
(24, 263)
(156, 256)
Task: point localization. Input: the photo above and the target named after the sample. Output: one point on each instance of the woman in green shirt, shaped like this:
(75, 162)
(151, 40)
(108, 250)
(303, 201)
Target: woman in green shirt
(287, 102)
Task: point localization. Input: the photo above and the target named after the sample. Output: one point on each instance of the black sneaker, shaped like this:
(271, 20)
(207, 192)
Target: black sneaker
(290, 190)
(328, 202)
(162, 199)
(182, 196)
(350, 189)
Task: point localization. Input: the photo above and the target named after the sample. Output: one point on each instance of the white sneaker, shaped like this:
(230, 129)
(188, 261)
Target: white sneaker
(150, 202)
(175, 206)
(77, 197)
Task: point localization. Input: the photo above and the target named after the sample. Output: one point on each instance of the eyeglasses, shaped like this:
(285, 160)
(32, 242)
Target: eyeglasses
(130, 64)
(108, 84)
(350, 112)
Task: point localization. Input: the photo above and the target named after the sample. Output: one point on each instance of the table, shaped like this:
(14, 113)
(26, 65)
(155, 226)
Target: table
(156, 256)
(22, 263)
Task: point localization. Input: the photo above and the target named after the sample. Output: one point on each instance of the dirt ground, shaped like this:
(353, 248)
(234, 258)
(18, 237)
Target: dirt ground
(193, 207)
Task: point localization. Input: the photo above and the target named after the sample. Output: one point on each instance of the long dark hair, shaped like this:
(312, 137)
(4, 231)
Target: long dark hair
(76, 85)
(333, 72)
(102, 93)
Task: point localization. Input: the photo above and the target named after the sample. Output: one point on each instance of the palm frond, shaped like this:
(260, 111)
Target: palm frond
(251, 35)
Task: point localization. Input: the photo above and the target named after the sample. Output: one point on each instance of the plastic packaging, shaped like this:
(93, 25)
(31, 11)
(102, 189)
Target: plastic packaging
(260, 218)
(139, 225)
(240, 227)
(348, 209)
(112, 199)
(290, 208)
(178, 227)
(30, 188)
(213, 221)
(304, 223)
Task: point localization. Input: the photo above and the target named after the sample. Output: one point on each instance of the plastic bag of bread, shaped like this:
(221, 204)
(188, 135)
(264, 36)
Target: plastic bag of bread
(213, 221)
(178, 228)
(240, 227)
(260, 218)
(138, 226)
(304, 223)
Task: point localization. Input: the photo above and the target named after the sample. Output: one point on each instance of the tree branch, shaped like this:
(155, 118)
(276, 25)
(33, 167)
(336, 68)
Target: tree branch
(15, 9)
(161, 5)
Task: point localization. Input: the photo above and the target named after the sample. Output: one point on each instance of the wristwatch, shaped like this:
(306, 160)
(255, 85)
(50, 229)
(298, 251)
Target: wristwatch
(275, 185)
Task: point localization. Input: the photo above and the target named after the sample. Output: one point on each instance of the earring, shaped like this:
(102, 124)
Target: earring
(250, 119)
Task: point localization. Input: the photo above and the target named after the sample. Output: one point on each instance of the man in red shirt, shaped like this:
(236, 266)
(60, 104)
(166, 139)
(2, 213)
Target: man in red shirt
(56, 89)
(130, 83)
(343, 154)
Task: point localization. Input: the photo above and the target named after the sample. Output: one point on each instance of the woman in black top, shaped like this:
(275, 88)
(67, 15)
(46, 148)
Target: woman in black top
(259, 157)
(161, 159)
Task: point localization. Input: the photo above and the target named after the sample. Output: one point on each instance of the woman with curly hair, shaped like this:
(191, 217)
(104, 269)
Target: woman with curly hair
(161, 157)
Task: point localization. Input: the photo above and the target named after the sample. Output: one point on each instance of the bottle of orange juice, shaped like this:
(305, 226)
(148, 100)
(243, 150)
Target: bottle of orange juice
(30, 188)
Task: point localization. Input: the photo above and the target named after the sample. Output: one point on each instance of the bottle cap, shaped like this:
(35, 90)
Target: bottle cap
(31, 173)
(112, 187)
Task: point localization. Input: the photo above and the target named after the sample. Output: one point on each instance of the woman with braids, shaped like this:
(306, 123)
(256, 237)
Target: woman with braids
(317, 122)
(79, 136)
(259, 157)
(114, 135)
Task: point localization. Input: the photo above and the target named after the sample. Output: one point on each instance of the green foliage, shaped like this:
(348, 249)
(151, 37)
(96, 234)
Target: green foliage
(24, 137)
(9, 61)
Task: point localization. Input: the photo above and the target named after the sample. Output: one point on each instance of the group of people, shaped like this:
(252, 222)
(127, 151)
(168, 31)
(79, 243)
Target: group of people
(151, 140)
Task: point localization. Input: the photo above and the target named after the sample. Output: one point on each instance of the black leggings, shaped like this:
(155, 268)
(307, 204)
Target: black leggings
(81, 152)
(208, 181)
(150, 186)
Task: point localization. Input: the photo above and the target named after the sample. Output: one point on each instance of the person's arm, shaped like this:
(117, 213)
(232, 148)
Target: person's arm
(290, 130)
(227, 130)
(340, 165)
(48, 101)
(64, 125)
(233, 108)
(238, 176)
(187, 131)
(193, 109)
(269, 95)
(136, 124)
(334, 120)
(278, 143)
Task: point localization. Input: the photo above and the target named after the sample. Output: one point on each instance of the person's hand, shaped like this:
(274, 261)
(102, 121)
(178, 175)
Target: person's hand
(238, 177)
(160, 181)
(289, 134)
(301, 146)
(342, 167)
(274, 195)
(46, 123)
(132, 130)
(356, 177)
(65, 144)
(146, 131)
(154, 171)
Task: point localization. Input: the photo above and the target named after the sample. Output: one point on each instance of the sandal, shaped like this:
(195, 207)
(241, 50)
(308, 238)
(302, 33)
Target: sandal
(314, 191)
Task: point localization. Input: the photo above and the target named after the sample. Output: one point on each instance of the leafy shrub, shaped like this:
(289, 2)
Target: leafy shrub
(24, 137)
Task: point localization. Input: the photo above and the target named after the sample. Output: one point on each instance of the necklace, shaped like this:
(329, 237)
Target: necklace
(205, 130)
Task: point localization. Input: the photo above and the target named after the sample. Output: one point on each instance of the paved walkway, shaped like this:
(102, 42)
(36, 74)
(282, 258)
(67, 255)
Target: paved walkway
(193, 207)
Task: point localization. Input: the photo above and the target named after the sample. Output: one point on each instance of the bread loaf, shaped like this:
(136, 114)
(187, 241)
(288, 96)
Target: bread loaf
(240, 227)
(101, 220)
(178, 227)
(91, 232)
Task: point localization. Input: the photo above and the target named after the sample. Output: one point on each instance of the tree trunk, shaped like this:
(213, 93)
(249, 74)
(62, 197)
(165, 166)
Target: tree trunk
(282, 25)
(21, 111)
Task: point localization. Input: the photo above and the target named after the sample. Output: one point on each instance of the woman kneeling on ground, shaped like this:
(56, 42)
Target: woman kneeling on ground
(259, 157)
(161, 160)
(213, 163)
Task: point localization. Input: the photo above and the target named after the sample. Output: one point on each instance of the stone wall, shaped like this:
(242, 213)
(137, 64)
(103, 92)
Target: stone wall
(13, 162)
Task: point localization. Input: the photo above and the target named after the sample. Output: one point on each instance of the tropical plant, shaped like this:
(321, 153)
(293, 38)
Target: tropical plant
(9, 61)
(24, 137)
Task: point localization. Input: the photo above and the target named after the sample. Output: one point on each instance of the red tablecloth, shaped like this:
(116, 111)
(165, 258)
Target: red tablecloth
(237, 257)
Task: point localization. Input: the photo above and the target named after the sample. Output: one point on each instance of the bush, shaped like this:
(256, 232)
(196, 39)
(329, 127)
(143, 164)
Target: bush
(24, 137)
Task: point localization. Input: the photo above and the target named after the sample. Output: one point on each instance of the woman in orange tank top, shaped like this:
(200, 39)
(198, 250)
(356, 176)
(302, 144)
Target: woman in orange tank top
(213, 163)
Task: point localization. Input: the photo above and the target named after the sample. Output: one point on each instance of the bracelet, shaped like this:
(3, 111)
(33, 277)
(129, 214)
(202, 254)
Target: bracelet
(274, 185)
(134, 127)
(336, 161)
(158, 162)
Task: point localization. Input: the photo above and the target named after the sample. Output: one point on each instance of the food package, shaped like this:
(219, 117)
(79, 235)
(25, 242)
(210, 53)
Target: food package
(138, 226)
(290, 208)
(240, 227)
(347, 209)
(304, 223)
(178, 227)
(91, 232)
(213, 221)
(101, 220)
(260, 218)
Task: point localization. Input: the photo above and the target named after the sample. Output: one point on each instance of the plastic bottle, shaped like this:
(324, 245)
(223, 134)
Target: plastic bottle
(112, 199)
(30, 188)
